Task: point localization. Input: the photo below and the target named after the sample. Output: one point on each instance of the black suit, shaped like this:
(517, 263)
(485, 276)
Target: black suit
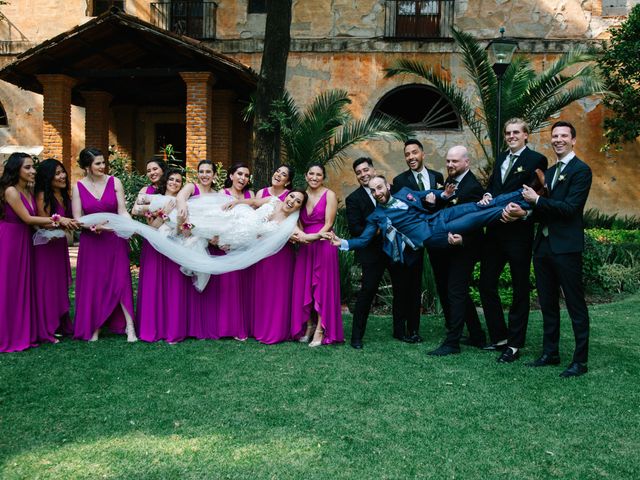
(373, 261)
(408, 277)
(453, 270)
(557, 255)
(509, 243)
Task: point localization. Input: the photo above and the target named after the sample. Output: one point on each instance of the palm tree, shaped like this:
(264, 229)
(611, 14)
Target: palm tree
(322, 133)
(532, 96)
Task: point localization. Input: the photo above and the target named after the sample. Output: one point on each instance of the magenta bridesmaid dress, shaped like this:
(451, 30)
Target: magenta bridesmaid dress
(52, 279)
(161, 307)
(234, 300)
(316, 280)
(202, 307)
(103, 276)
(17, 306)
(273, 281)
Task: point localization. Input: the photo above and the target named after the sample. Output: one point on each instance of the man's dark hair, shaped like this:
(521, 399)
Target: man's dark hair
(562, 123)
(413, 141)
(360, 161)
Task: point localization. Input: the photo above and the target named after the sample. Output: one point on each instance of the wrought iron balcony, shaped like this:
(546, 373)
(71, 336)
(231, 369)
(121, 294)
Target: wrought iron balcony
(419, 19)
(193, 19)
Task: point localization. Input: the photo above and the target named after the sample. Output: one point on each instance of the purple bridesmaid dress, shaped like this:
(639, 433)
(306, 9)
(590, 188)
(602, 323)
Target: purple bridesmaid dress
(202, 307)
(17, 305)
(316, 280)
(52, 279)
(161, 308)
(103, 275)
(234, 299)
(273, 281)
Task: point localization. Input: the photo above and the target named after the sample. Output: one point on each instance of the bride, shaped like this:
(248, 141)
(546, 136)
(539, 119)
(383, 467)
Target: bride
(246, 234)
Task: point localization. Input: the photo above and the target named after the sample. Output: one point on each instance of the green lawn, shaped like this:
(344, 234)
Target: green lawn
(225, 409)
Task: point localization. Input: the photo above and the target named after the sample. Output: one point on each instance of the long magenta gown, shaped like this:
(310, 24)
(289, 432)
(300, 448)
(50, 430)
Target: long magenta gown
(234, 299)
(103, 276)
(161, 308)
(273, 281)
(52, 279)
(17, 305)
(202, 307)
(316, 280)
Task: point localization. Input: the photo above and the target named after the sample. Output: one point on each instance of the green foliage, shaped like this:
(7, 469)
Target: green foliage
(611, 261)
(620, 67)
(596, 219)
(323, 132)
(429, 297)
(349, 270)
(525, 93)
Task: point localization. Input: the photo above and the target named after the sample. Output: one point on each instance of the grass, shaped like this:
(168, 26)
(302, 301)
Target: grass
(225, 409)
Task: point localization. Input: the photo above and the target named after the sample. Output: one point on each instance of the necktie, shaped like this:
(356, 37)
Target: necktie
(512, 160)
(556, 174)
(420, 182)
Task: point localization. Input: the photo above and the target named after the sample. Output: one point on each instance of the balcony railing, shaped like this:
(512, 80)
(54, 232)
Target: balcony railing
(193, 19)
(419, 19)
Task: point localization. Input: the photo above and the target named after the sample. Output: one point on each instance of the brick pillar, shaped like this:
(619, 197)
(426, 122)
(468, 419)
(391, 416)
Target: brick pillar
(96, 122)
(56, 125)
(199, 116)
(222, 133)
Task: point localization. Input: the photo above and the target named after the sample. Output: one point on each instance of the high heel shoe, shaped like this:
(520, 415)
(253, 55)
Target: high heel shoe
(307, 334)
(94, 337)
(131, 334)
(318, 336)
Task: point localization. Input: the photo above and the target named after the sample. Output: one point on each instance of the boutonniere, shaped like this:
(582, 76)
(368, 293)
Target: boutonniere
(410, 197)
(520, 169)
(454, 201)
(561, 178)
(439, 186)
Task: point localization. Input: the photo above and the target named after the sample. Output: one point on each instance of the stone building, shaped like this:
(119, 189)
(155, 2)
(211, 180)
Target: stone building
(335, 44)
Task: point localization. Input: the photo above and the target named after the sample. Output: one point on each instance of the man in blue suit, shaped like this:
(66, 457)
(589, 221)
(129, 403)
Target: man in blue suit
(405, 222)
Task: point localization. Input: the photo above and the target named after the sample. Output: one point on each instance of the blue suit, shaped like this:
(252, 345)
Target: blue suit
(423, 228)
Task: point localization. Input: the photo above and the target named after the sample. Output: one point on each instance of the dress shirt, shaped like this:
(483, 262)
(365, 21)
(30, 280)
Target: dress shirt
(425, 178)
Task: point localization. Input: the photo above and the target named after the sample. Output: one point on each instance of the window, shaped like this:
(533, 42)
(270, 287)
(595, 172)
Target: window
(257, 6)
(615, 8)
(3, 117)
(101, 6)
(426, 19)
(421, 107)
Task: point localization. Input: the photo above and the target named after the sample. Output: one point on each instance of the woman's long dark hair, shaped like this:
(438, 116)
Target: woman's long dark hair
(162, 187)
(11, 175)
(44, 178)
(163, 166)
(233, 169)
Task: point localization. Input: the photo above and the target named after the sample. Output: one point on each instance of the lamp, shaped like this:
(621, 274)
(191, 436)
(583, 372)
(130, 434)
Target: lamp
(500, 53)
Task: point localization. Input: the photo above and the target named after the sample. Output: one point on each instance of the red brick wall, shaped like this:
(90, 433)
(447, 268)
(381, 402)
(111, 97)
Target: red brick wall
(198, 111)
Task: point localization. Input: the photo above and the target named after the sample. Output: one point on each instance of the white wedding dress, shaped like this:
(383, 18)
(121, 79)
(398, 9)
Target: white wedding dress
(250, 234)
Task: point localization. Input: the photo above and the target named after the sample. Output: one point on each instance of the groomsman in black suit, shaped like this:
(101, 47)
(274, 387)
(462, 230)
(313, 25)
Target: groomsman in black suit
(509, 243)
(360, 204)
(558, 247)
(454, 266)
(409, 275)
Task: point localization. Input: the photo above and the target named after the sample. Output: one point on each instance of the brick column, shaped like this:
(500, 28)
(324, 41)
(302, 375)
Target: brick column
(56, 125)
(96, 121)
(222, 133)
(199, 116)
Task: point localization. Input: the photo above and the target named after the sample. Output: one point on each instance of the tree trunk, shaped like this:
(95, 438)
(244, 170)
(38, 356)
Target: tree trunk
(273, 72)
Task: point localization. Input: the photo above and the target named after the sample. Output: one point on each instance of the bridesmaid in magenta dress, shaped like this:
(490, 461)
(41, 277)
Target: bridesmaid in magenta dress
(316, 281)
(104, 296)
(273, 277)
(202, 307)
(234, 307)
(18, 316)
(52, 267)
(161, 308)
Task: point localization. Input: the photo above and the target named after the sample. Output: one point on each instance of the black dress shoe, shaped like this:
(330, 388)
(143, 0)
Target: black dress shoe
(508, 356)
(357, 344)
(544, 360)
(495, 347)
(444, 350)
(575, 370)
(416, 338)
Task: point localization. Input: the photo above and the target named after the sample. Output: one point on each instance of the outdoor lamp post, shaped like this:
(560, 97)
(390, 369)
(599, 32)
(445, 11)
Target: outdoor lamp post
(500, 53)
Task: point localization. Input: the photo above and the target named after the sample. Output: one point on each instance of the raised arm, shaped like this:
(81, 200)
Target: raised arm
(141, 205)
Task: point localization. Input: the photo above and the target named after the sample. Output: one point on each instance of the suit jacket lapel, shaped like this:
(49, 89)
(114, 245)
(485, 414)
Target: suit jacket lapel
(366, 200)
(411, 180)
